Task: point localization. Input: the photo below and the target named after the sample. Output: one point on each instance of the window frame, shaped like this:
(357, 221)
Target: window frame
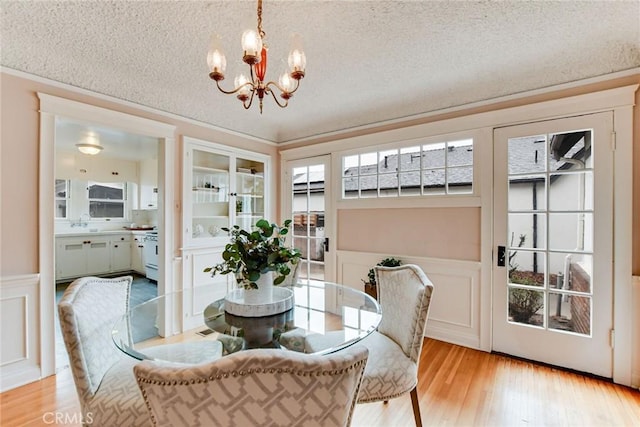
(123, 200)
(451, 199)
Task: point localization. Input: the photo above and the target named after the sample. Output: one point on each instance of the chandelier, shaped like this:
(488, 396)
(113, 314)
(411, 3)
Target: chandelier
(255, 55)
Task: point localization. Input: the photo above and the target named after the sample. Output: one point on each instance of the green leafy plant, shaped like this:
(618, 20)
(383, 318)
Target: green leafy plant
(387, 262)
(251, 254)
(524, 303)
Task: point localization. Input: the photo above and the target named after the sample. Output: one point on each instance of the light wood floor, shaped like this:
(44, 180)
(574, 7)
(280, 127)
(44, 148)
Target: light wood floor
(457, 387)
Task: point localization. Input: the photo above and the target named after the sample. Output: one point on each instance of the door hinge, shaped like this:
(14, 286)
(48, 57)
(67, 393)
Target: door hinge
(613, 141)
(612, 338)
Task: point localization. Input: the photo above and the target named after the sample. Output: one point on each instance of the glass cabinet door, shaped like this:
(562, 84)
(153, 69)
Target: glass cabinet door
(209, 194)
(249, 194)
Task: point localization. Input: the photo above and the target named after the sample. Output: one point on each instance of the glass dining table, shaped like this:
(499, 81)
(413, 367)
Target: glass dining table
(325, 317)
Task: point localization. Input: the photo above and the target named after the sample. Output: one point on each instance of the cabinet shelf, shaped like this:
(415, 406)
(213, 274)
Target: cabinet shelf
(253, 196)
(252, 175)
(210, 217)
(209, 170)
(207, 189)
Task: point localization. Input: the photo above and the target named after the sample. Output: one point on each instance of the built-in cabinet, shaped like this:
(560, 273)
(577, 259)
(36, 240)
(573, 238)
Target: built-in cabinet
(73, 165)
(222, 188)
(148, 184)
(93, 254)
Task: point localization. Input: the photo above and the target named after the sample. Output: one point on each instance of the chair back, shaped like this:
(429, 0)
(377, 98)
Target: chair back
(88, 309)
(256, 387)
(404, 293)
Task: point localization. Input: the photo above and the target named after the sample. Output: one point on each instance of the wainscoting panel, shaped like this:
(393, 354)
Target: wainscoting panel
(454, 314)
(19, 314)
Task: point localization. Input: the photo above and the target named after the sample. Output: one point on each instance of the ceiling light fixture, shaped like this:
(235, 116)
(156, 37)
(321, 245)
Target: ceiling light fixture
(255, 55)
(91, 145)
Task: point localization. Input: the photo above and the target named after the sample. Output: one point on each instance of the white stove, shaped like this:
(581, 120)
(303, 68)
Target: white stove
(151, 255)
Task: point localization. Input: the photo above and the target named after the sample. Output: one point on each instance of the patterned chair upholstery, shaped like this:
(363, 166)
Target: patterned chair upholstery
(102, 374)
(259, 387)
(394, 349)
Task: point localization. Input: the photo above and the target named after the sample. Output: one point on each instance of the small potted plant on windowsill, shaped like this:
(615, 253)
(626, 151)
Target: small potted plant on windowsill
(370, 286)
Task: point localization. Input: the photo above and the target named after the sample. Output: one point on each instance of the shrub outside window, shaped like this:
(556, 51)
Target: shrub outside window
(440, 168)
(106, 200)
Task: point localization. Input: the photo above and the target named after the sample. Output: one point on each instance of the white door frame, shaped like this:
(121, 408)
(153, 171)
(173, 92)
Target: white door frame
(539, 343)
(330, 217)
(50, 108)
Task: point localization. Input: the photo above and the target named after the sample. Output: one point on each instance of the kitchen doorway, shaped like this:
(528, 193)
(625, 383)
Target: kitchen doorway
(106, 202)
(53, 110)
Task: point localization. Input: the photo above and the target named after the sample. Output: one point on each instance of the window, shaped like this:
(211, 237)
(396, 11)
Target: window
(106, 200)
(62, 198)
(440, 168)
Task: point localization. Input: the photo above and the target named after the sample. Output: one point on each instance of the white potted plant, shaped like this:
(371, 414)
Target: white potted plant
(255, 257)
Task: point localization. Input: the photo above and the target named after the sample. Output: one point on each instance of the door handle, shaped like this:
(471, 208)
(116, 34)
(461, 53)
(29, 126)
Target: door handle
(326, 244)
(501, 256)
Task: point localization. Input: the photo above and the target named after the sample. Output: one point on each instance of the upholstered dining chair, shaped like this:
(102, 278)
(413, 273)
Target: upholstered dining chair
(258, 387)
(404, 294)
(103, 376)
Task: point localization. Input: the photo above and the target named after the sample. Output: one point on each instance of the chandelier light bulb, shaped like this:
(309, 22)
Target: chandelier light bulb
(286, 82)
(215, 58)
(241, 82)
(251, 45)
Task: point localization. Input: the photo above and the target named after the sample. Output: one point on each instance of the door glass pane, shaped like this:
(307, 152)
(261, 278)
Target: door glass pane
(527, 192)
(570, 150)
(527, 154)
(527, 267)
(571, 191)
(527, 230)
(388, 161)
(570, 313)
(571, 231)
(388, 184)
(308, 208)
(526, 306)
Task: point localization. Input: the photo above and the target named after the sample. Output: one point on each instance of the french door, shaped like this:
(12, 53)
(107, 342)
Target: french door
(553, 225)
(306, 202)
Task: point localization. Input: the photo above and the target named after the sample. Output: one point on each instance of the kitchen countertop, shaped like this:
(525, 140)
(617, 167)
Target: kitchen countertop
(102, 233)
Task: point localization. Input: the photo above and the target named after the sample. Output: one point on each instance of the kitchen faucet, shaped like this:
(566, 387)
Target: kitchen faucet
(80, 223)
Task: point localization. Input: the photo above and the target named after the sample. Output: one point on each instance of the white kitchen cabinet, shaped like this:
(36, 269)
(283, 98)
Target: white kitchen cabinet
(82, 256)
(222, 187)
(137, 253)
(149, 184)
(74, 165)
(120, 252)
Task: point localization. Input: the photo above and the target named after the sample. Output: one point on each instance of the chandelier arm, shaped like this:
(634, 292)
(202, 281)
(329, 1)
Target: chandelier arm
(272, 83)
(244, 103)
(231, 92)
(275, 98)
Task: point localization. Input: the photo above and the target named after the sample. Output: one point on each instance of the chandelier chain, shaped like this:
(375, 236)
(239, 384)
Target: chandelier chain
(260, 31)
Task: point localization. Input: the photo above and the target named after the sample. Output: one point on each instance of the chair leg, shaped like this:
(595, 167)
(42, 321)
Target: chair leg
(416, 407)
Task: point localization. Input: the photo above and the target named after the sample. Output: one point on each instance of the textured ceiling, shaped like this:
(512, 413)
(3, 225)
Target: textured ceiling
(367, 61)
